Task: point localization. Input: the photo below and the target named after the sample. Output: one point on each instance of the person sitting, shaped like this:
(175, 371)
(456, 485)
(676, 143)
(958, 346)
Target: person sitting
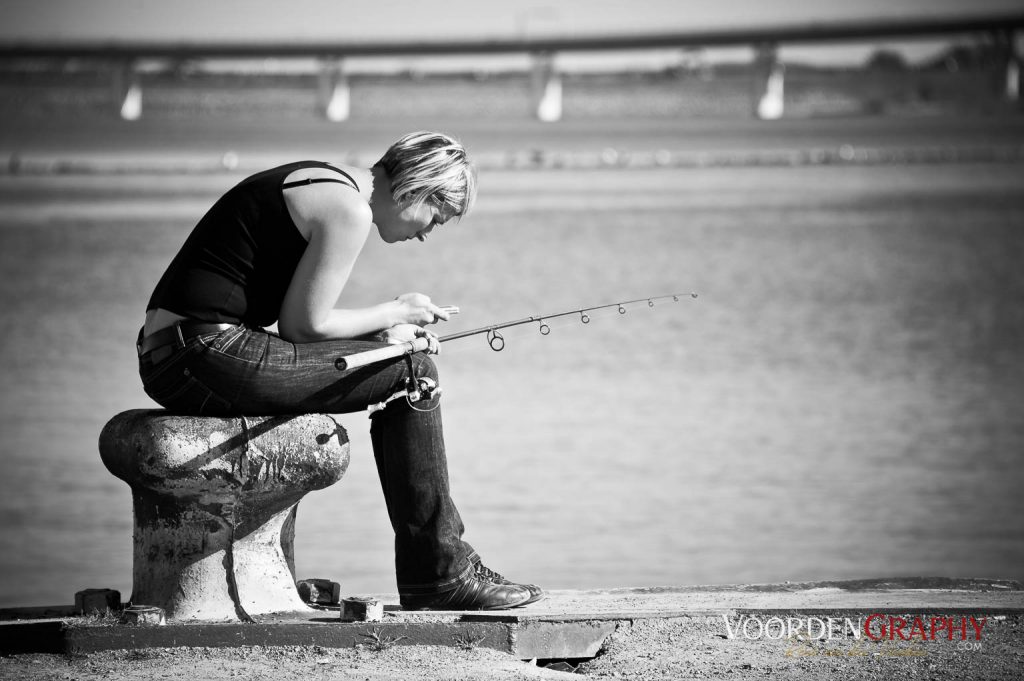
(279, 247)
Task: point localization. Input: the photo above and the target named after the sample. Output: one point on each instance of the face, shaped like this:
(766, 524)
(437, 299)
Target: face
(409, 221)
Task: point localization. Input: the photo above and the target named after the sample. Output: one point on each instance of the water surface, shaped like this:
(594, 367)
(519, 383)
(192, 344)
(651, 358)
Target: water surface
(842, 400)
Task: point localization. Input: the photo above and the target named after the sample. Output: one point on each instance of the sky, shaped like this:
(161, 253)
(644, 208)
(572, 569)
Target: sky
(324, 20)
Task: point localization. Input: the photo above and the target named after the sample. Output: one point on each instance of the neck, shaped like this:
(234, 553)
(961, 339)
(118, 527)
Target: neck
(380, 186)
(380, 192)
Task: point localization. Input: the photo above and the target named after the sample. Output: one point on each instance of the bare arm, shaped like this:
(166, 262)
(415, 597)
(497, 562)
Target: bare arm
(337, 223)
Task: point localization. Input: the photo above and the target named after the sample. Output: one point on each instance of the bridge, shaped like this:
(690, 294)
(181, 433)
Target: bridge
(1003, 29)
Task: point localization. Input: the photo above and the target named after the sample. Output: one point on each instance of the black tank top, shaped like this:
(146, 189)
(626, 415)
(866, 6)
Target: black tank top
(237, 263)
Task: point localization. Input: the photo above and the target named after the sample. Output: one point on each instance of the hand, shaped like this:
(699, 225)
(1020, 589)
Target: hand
(416, 308)
(403, 333)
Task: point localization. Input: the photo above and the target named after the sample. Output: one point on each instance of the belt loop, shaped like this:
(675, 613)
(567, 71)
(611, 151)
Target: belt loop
(181, 338)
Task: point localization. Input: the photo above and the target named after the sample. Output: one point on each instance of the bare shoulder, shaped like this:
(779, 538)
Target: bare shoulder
(331, 205)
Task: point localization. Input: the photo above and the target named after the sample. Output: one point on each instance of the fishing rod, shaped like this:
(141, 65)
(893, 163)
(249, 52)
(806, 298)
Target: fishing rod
(494, 337)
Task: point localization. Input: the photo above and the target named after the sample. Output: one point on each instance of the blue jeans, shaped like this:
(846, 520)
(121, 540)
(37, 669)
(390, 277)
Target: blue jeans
(250, 371)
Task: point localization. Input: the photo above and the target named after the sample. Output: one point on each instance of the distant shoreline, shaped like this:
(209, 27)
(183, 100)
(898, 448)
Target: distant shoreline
(713, 93)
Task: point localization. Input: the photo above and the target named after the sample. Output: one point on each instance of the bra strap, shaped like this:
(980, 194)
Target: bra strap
(315, 180)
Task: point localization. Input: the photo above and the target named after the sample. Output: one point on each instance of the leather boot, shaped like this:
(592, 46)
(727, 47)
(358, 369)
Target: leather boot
(472, 593)
(536, 593)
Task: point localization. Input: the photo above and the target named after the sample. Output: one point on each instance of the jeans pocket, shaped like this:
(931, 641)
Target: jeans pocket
(153, 372)
(182, 392)
(241, 343)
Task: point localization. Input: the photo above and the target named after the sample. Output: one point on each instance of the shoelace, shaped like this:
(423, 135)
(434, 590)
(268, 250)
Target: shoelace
(489, 574)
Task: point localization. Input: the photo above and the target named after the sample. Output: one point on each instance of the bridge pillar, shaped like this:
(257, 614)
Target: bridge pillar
(546, 86)
(127, 89)
(334, 92)
(768, 83)
(1015, 48)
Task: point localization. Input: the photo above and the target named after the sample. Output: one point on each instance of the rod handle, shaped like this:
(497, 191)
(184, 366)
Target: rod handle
(361, 359)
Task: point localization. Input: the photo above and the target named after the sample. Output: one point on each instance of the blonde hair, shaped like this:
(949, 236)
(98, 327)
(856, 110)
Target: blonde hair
(431, 166)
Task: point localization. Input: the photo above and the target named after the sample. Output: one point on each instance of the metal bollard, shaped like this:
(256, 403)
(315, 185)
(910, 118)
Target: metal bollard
(143, 614)
(88, 601)
(319, 591)
(358, 609)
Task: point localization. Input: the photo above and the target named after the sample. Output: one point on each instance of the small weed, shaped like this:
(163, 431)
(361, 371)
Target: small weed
(467, 641)
(380, 642)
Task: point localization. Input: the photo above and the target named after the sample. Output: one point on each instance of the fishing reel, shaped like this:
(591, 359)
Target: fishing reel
(415, 390)
(423, 389)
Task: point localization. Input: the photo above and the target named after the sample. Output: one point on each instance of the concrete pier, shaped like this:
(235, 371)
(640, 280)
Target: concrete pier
(573, 625)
